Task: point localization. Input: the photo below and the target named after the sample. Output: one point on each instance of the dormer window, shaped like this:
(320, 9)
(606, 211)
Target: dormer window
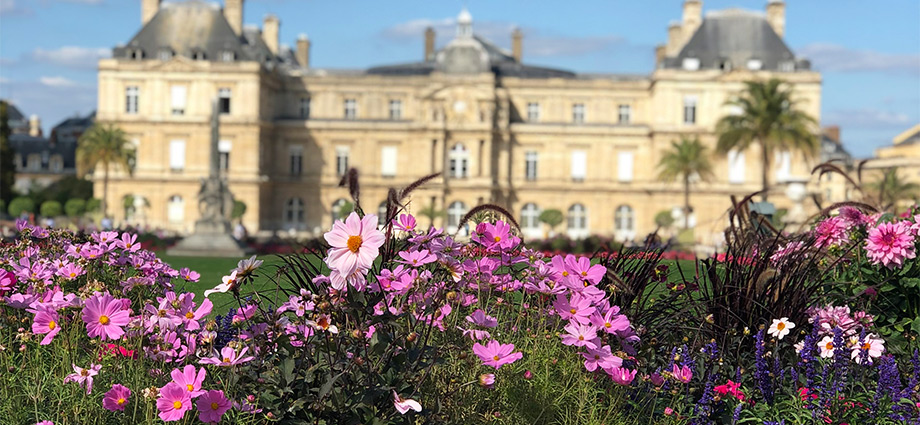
(725, 65)
(198, 55)
(754, 64)
(227, 56)
(691, 64)
(165, 54)
(136, 54)
(787, 66)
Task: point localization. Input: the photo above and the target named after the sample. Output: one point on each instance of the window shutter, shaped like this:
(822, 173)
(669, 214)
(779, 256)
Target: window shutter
(735, 167)
(177, 154)
(388, 161)
(178, 97)
(625, 166)
(579, 164)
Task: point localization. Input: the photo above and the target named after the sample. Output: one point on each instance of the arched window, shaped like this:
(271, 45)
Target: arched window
(625, 223)
(382, 214)
(340, 210)
(455, 213)
(459, 159)
(530, 220)
(175, 210)
(577, 220)
(294, 213)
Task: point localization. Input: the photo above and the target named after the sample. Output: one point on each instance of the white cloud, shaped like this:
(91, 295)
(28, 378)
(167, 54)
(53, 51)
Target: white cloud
(4, 80)
(71, 56)
(57, 82)
(10, 8)
(868, 118)
(833, 57)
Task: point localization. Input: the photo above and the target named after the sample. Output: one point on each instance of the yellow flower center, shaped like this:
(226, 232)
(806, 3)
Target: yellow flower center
(226, 360)
(51, 325)
(214, 406)
(120, 401)
(190, 387)
(84, 372)
(323, 322)
(189, 315)
(829, 346)
(177, 404)
(565, 273)
(584, 274)
(354, 243)
(596, 357)
(72, 274)
(495, 358)
(161, 313)
(104, 319)
(573, 311)
(498, 238)
(780, 326)
(866, 346)
(607, 325)
(581, 338)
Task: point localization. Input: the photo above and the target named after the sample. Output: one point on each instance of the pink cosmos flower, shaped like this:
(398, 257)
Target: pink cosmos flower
(584, 272)
(621, 375)
(611, 322)
(104, 316)
(487, 380)
(417, 258)
(354, 243)
(403, 405)
(580, 335)
(495, 354)
(189, 275)
(890, 244)
(212, 406)
(7, 280)
(475, 334)
(46, 322)
(405, 223)
(578, 308)
(482, 319)
(323, 323)
(83, 377)
(227, 357)
(832, 231)
(128, 242)
(70, 271)
(189, 379)
(116, 398)
(681, 373)
(601, 357)
(173, 402)
(495, 236)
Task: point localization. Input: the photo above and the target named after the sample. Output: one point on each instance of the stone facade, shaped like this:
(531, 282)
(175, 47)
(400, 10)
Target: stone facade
(500, 131)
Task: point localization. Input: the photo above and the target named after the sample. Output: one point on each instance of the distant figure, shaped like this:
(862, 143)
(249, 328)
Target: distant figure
(239, 232)
(106, 223)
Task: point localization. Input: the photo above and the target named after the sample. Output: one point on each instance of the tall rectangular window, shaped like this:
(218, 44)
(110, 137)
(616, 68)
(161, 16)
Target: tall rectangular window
(625, 166)
(223, 102)
(530, 165)
(395, 110)
(533, 112)
(341, 160)
(388, 161)
(578, 113)
(223, 150)
(351, 109)
(689, 109)
(305, 108)
(624, 114)
(296, 160)
(132, 95)
(178, 99)
(177, 155)
(735, 167)
(579, 165)
(784, 166)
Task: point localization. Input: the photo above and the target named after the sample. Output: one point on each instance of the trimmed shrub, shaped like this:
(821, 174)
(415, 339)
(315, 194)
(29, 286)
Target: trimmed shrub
(93, 205)
(51, 209)
(239, 208)
(75, 207)
(20, 205)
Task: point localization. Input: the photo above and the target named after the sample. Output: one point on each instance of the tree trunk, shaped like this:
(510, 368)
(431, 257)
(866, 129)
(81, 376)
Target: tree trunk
(686, 201)
(765, 171)
(105, 191)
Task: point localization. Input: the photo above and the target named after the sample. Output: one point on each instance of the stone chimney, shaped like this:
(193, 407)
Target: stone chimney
(517, 44)
(660, 52)
(429, 44)
(233, 11)
(674, 39)
(148, 9)
(776, 16)
(693, 17)
(271, 26)
(303, 50)
(833, 132)
(35, 126)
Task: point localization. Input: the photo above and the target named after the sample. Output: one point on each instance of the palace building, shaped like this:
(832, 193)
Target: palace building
(500, 131)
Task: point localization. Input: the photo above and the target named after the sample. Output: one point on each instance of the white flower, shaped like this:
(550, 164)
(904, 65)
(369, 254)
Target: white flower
(874, 346)
(827, 347)
(229, 283)
(799, 346)
(781, 327)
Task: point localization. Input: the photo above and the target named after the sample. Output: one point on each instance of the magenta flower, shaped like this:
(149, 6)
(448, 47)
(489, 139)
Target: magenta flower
(227, 357)
(44, 423)
(580, 335)
(578, 308)
(189, 379)
(355, 243)
(681, 373)
(495, 236)
(487, 380)
(84, 377)
(212, 406)
(128, 242)
(46, 322)
(417, 258)
(601, 357)
(832, 231)
(189, 275)
(480, 318)
(611, 322)
(495, 354)
(173, 402)
(621, 375)
(403, 405)
(70, 271)
(405, 222)
(116, 398)
(583, 271)
(7, 280)
(890, 244)
(104, 316)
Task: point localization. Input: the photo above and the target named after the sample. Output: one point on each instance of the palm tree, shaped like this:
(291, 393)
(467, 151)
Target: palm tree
(891, 188)
(432, 213)
(767, 118)
(106, 144)
(685, 160)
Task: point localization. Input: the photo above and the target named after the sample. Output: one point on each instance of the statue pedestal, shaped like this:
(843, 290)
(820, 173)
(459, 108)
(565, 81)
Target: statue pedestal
(210, 245)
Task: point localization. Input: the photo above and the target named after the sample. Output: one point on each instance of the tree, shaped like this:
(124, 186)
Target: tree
(105, 144)
(7, 167)
(664, 219)
(768, 118)
(686, 160)
(432, 213)
(51, 209)
(552, 218)
(239, 208)
(93, 205)
(891, 188)
(20, 205)
(75, 207)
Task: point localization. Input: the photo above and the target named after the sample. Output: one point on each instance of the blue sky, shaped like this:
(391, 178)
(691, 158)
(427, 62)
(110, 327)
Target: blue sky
(869, 56)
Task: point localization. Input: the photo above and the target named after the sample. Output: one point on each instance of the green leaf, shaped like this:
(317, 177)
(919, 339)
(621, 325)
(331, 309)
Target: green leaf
(287, 369)
(915, 325)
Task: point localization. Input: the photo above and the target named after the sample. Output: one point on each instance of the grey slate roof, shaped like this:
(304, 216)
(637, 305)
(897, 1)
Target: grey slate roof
(736, 36)
(25, 145)
(18, 122)
(192, 27)
(70, 129)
